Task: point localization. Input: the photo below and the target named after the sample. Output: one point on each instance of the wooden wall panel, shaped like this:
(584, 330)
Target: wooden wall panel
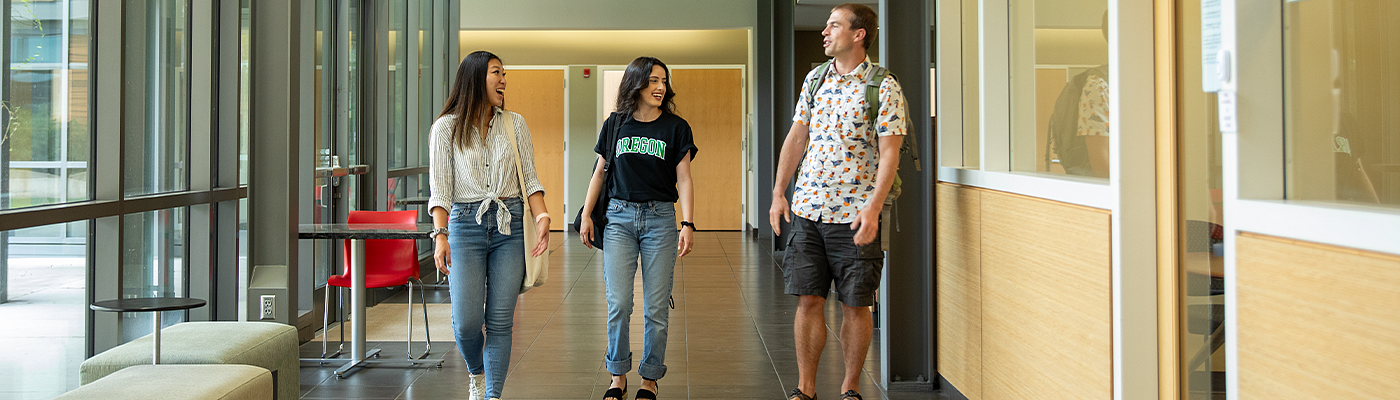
(1046, 300)
(538, 95)
(1316, 322)
(959, 287)
(711, 100)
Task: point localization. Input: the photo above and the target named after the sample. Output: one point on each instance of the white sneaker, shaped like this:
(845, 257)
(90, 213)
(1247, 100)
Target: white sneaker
(477, 386)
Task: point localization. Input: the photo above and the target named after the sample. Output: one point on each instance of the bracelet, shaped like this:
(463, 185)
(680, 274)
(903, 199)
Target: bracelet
(541, 216)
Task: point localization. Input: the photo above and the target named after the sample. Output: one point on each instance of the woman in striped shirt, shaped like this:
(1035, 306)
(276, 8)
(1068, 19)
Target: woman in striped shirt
(477, 214)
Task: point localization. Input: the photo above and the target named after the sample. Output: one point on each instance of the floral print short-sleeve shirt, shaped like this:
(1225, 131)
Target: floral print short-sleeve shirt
(837, 174)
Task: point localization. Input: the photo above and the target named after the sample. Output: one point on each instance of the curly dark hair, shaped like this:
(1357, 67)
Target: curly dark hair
(636, 79)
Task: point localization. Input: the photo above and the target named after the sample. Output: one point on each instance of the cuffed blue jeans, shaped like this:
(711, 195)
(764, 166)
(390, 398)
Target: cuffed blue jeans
(485, 277)
(644, 232)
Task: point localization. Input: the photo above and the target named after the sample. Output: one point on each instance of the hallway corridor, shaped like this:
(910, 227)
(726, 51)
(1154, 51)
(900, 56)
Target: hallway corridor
(730, 336)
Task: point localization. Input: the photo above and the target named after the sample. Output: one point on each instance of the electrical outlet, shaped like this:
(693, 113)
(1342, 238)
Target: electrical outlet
(269, 307)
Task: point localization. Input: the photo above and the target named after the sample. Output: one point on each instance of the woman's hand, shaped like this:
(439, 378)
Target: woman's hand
(442, 254)
(687, 239)
(542, 240)
(585, 230)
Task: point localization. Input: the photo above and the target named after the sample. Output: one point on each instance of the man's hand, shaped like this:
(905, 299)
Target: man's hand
(779, 210)
(442, 254)
(867, 224)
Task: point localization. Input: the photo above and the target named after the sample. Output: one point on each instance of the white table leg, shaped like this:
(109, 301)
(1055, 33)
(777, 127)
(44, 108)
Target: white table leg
(357, 299)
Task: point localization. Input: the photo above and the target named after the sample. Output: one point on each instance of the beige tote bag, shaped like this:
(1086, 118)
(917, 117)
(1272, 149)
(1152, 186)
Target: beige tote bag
(536, 268)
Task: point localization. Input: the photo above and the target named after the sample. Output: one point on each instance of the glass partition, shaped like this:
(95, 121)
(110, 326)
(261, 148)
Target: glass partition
(43, 286)
(1200, 217)
(1059, 87)
(44, 141)
(153, 265)
(157, 123)
(972, 76)
(1342, 101)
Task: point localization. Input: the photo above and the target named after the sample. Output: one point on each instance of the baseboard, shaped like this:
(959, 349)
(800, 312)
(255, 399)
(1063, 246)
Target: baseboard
(910, 386)
(949, 390)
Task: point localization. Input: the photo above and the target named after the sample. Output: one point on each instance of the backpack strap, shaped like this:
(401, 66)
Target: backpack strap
(815, 84)
(873, 78)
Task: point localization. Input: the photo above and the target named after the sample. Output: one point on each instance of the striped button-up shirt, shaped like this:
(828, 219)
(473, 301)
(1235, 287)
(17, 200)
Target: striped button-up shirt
(480, 173)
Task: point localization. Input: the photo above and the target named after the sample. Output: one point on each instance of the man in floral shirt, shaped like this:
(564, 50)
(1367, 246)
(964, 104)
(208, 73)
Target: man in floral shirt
(841, 188)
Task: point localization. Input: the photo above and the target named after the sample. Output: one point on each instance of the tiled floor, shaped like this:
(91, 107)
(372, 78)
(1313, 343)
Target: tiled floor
(730, 336)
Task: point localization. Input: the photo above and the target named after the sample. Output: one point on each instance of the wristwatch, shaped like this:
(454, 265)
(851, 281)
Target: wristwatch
(688, 223)
(437, 231)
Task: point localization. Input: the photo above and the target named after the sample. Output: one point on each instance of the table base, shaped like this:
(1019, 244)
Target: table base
(372, 358)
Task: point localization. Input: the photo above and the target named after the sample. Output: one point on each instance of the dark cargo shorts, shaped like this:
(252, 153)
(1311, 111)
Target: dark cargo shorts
(819, 253)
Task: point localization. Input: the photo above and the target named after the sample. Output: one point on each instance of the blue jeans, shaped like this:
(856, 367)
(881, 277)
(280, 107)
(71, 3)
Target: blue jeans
(485, 277)
(645, 231)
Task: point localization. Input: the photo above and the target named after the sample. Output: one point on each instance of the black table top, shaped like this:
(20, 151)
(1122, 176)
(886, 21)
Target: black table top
(148, 304)
(418, 200)
(363, 231)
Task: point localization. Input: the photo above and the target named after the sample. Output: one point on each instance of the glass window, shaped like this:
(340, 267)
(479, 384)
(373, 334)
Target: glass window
(153, 265)
(244, 83)
(427, 107)
(43, 286)
(972, 85)
(43, 117)
(398, 84)
(1342, 101)
(1059, 86)
(157, 130)
(1201, 223)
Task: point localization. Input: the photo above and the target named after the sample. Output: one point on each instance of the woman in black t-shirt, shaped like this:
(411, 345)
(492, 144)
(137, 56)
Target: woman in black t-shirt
(651, 172)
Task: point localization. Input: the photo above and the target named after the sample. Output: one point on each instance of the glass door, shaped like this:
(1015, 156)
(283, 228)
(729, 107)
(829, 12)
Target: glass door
(1200, 217)
(336, 124)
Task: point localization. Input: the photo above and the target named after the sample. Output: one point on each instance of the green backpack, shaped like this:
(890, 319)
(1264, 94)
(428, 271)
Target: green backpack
(873, 77)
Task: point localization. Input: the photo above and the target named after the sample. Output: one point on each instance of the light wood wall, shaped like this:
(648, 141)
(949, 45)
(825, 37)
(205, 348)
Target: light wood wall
(538, 96)
(1025, 296)
(711, 100)
(959, 277)
(1316, 321)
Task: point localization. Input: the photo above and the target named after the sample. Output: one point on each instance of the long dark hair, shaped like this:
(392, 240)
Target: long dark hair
(468, 101)
(636, 79)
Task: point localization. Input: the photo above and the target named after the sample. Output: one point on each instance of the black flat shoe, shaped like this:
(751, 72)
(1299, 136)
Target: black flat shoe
(798, 395)
(851, 395)
(616, 393)
(643, 393)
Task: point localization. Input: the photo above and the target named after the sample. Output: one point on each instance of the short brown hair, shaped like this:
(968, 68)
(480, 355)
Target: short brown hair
(862, 17)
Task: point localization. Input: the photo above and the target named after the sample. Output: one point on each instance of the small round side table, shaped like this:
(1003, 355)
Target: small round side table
(150, 304)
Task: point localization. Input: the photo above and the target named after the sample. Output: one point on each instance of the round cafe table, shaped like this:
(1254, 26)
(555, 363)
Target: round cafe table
(149, 304)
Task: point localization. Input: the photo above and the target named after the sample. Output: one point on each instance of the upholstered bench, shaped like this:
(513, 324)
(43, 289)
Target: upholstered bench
(272, 346)
(179, 381)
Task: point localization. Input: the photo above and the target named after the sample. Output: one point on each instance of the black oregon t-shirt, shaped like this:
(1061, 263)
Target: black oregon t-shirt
(647, 155)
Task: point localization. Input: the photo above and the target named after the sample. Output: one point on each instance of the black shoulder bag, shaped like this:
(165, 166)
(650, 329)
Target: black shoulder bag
(599, 213)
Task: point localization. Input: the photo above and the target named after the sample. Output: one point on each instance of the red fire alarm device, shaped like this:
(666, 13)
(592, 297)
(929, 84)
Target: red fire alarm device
(586, 72)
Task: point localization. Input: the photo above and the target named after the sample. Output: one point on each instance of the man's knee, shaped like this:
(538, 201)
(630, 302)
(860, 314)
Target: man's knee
(807, 303)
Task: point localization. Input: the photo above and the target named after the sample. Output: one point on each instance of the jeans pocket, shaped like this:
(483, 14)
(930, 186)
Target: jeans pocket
(456, 214)
(664, 210)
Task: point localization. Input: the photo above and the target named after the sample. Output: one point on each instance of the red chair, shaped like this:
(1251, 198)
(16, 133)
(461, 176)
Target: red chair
(388, 263)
